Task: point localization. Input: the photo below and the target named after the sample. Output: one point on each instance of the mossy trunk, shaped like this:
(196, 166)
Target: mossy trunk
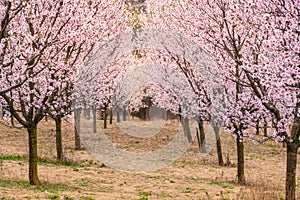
(58, 135)
(32, 142)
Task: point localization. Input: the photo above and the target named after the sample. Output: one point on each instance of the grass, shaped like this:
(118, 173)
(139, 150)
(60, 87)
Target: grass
(53, 196)
(164, 195)
(13, 157)
(9, 183)
(144, 193)
(190, 177)
(222, 184)
(53, 188)
(107, 189)
(187, 190)
(143, 198)
(40, 160)
(197, 180)
(87, 198)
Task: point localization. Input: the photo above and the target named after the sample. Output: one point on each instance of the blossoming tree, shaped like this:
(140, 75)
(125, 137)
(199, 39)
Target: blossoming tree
(39, 41)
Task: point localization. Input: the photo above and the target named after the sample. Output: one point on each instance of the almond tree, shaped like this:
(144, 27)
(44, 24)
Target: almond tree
(39, 40)
(221, 27)
(273, 72)
(256, 45)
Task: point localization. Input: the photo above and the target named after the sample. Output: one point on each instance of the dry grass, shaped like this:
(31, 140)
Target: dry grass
(190, 177)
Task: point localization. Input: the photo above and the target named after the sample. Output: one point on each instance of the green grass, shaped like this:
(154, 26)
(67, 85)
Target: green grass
(40, 160)
(9, 183)
(187, 190)
(53, 188)
(164, 195)
(53, 196)
(222, 184)
(143, 198)
(276, 152)
(87, 198)
(197, 180)
(144, 193)
(13, 157)
(107, 189)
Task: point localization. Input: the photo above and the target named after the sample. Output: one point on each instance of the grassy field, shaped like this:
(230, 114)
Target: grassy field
(192, 176)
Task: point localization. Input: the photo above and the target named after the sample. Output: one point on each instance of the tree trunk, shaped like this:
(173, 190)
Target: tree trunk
(59, 150)
(266, 129)
(118, 116)
(186, 129)
(179, 111)
(32, 140)
(87, 111)
(291, 161)
(144, 114)
(147, 108)
(291, 165)
(202, 136)
(94, 119)
(147, 113)
(240, 164)
(100, 113)
(124, 113)
(105, 117)
(219, 148)
(257, 127)
(110, 116)
(199, 141)
(77, 115)
(12, 121)
(11, 116)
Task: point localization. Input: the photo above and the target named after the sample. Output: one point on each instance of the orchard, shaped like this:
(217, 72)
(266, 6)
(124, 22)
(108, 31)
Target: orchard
(131, 88)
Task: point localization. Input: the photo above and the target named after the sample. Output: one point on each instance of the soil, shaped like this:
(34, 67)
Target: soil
(192, 176)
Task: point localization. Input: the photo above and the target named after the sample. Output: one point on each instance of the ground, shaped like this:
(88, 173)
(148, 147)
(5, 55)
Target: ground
(81, 176)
